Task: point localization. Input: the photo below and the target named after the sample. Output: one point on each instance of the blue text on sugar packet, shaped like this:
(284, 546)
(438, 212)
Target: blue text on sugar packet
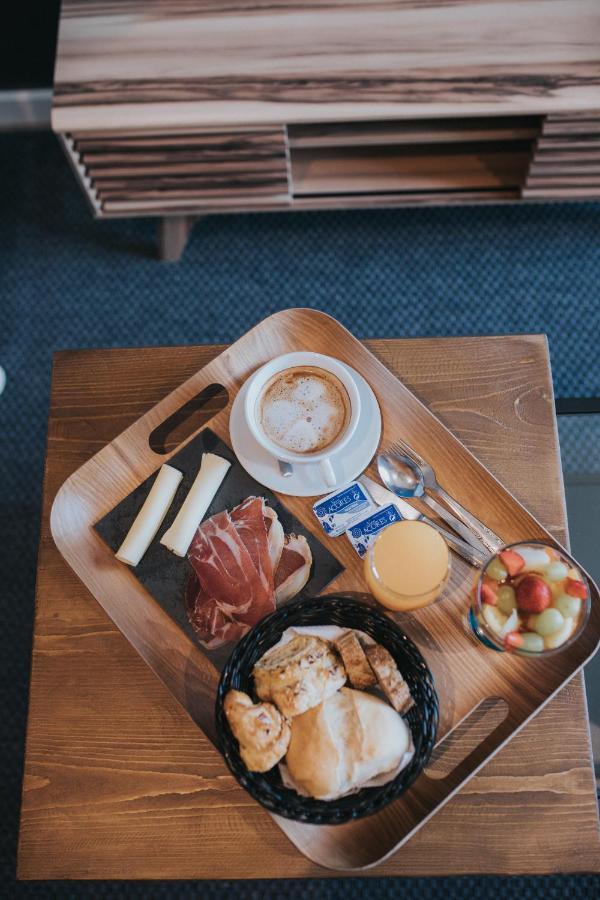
(340, 510)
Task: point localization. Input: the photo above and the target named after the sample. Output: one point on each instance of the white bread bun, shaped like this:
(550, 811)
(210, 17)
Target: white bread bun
(344, 742)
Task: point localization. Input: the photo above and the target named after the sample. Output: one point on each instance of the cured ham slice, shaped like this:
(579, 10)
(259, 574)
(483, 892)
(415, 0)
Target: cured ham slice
(226, 569)
(294, 567)
(242, 561)
(249, 522)
(212, 627)
(231, 558)
(222, 563)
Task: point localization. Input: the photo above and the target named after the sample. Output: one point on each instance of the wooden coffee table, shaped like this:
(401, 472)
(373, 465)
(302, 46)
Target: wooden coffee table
(120, 783)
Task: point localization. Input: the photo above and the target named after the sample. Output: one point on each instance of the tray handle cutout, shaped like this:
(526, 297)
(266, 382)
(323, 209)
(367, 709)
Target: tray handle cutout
(194, 414)
(469, 734)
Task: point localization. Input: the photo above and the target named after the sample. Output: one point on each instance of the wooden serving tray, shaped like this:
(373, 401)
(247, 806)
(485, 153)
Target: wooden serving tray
(469, 677)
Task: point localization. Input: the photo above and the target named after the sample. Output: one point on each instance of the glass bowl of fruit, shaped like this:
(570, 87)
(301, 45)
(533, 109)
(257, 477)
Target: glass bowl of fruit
(530, 599)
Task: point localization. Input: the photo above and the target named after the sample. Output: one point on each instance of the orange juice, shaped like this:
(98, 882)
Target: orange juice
(407, 565)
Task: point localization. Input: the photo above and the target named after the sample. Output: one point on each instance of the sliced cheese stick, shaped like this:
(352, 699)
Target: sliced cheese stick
(150, 517)
(179, 536)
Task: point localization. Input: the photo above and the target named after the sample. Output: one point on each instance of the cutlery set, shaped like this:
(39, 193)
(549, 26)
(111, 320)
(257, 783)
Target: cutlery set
(406, 474)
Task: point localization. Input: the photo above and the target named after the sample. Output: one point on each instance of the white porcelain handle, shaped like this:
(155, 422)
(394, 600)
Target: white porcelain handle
(286, 469)
(328, 473)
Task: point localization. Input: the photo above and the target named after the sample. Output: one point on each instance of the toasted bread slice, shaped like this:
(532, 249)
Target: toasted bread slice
(360, 674)
(389, 678)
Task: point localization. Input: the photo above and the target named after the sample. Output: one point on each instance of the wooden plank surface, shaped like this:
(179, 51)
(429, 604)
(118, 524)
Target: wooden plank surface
(133, 789)
(142, 64)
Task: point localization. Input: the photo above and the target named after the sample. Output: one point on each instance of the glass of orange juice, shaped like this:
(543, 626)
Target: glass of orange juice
(407, 565)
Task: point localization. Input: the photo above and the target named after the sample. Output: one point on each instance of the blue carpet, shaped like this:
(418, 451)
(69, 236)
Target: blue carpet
(67, 281)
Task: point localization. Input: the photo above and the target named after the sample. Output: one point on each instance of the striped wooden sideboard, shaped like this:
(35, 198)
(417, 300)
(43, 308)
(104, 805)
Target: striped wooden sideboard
(177, 109)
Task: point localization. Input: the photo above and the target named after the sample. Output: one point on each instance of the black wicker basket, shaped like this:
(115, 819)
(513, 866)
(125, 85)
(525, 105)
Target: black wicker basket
(335, 609)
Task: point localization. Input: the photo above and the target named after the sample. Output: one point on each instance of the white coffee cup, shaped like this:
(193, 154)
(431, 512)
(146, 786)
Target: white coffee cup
(255, 386)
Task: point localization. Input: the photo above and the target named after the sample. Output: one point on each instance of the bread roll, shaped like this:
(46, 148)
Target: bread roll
(344, 742)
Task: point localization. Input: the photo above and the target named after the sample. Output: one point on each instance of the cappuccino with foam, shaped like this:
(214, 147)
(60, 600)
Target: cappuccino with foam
(303, 409)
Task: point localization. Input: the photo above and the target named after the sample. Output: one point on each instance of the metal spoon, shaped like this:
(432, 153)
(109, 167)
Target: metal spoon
(482, 531)
(405, 479)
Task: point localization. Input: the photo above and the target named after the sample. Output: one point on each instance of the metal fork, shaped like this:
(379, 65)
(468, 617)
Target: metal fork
(487, 537)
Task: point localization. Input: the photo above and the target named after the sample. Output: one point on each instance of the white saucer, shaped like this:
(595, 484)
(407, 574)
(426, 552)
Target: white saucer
(307, 479)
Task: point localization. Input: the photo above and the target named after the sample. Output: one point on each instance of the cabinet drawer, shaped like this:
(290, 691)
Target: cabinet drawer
(158, 173)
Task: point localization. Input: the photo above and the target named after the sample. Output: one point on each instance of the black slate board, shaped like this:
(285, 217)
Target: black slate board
(165, 575)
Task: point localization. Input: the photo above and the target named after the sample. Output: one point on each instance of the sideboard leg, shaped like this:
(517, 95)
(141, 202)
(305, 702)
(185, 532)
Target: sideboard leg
(173, 233)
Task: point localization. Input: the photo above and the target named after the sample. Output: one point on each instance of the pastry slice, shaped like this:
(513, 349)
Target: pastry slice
(299, 674)
(389, 678)
(360, 674)
(261, 731)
